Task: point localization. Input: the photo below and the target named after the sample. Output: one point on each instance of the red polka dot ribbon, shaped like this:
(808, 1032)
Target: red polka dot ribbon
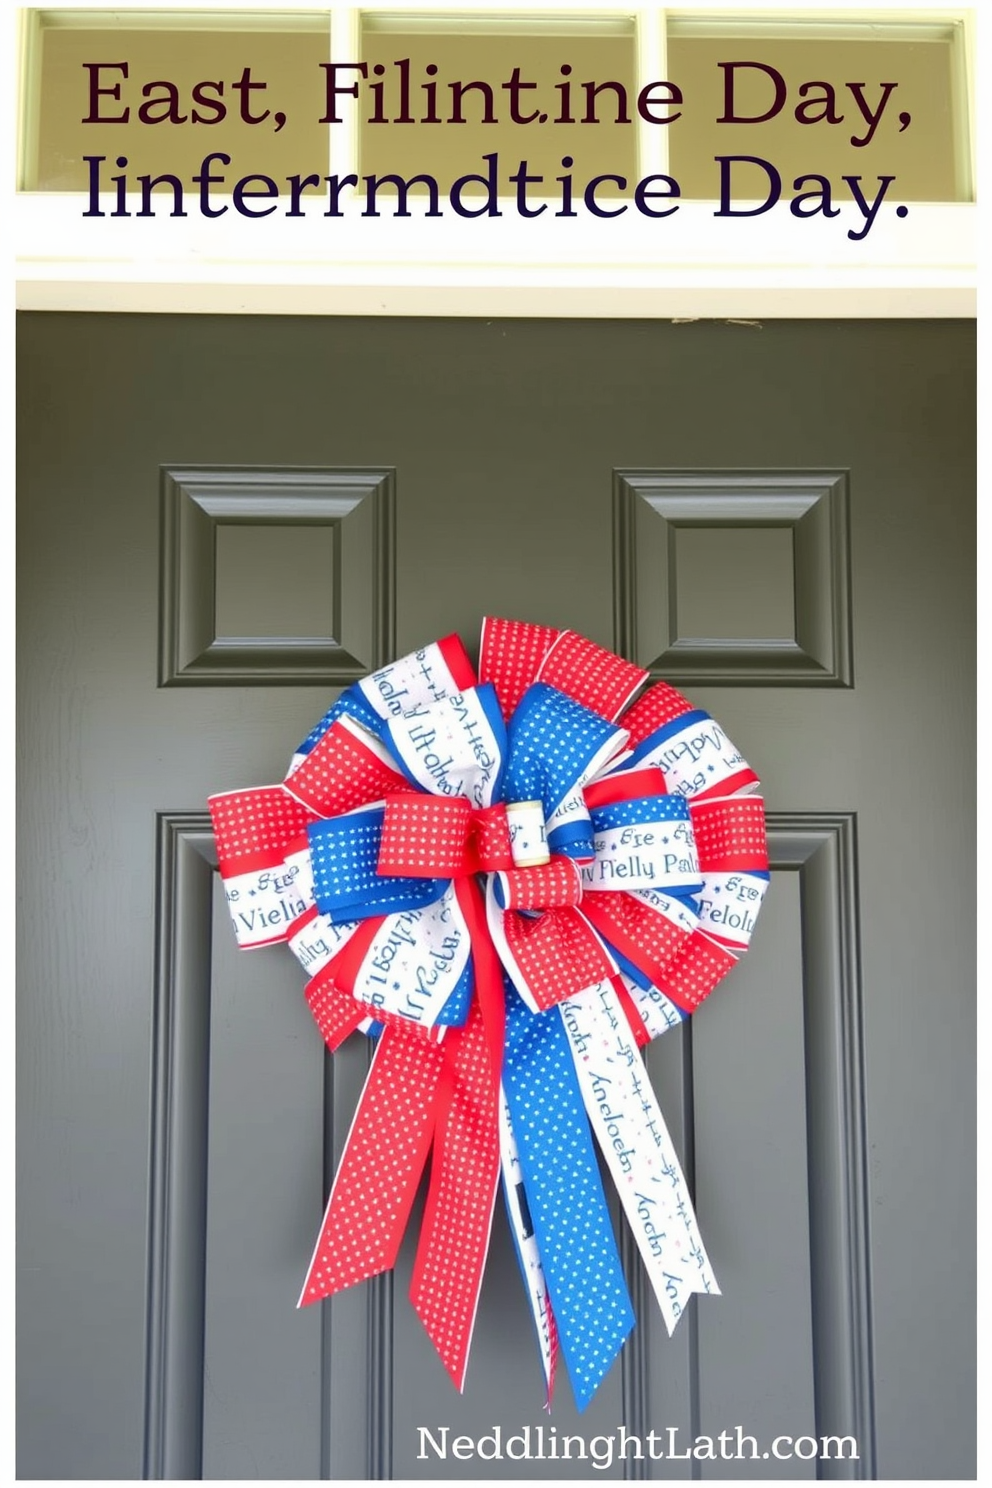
(620, 888)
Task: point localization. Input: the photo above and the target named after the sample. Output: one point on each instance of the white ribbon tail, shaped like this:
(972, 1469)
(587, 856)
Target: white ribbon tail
(626, 1118)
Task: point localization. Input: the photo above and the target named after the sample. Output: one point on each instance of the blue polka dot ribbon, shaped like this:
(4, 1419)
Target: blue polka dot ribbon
(565, 1196)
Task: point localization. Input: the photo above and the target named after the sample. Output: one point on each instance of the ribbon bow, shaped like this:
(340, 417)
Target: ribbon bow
(512, 883)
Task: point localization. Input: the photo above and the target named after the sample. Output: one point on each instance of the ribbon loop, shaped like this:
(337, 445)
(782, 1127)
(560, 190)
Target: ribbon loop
(734, 854)
(345, 769)
(264, 862)
(417, 966)
(422, 677)
(442, 837)
(347, 884)
(424, 836)
(644, 843)
(554, 885)
(593, 676)
(454, 746)
(555, 745)
(510, 657)
(690, 747)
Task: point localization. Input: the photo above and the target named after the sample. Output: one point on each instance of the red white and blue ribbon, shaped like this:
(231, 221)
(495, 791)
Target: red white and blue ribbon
(512, 882)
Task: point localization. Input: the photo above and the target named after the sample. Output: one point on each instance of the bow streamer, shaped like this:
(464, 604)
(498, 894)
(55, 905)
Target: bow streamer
(512, 883)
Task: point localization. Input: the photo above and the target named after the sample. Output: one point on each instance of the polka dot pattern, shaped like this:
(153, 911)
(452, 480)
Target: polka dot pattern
(730, 834)
(638, 812)
(447, 1273)
(341, 773)
(335, 1013)
(597, 678)
(557, 954)
(565, 1196)
(489, 840)
(639, 932)
(660, 705)
(249, 824)
(347, 884)
(697, 968)
(551, 741)
(424, 836)
(376, 1181)
(550, 886)
(511, 654)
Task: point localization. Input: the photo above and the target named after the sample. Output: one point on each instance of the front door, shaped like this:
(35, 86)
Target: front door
(222, 522)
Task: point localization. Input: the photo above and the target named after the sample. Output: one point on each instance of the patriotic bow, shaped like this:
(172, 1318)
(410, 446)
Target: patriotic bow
(512, 883)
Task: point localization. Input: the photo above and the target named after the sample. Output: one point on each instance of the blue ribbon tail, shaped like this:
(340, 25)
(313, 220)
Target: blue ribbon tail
(565, 1196)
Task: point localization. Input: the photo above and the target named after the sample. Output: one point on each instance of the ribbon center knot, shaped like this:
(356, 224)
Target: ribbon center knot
(439, 837)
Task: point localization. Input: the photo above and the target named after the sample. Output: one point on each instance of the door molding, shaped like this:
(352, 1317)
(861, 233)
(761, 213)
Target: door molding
(186, 861)
(177, 1207)
(822, 848)
(811, 505)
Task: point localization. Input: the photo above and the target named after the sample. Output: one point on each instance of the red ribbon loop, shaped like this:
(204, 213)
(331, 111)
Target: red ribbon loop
(343, 772)
(631, 785)
(489, 841)
(424, 836)
(597, 678)
(730, 834)
(442, 837)
(255, 829)
(553, 885)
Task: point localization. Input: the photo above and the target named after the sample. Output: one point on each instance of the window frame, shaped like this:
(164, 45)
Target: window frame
(681, 267)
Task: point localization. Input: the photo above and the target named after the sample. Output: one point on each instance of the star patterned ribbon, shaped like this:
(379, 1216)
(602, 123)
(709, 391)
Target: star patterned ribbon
(512, 883)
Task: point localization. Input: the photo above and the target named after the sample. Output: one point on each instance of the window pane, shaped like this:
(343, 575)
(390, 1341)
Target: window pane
(287, 62)
(476, 50)
(921, 157)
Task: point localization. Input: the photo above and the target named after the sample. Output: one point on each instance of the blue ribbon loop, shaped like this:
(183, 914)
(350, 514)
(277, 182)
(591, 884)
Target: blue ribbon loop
(351, 704)
(551, 741)
(565, 1196)
(344, 851)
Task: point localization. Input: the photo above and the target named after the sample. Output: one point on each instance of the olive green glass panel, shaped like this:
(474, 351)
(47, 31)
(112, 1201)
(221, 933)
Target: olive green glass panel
(449, 150)
(920, 156)
(287, 62)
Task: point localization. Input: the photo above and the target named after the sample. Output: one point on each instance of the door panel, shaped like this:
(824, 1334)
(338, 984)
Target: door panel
(676, 491)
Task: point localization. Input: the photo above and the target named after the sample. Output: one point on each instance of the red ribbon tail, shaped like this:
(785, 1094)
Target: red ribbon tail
(380, 1168)
(465, 1167)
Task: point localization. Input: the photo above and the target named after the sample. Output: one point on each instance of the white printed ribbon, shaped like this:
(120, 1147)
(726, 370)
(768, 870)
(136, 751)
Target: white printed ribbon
(697, 757)
(627, 1121)
(452, 747)
(416, 962)
(267, 901)
(728, 907)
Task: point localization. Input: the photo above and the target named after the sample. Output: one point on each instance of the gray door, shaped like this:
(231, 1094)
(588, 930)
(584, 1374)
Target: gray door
(222, 521)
